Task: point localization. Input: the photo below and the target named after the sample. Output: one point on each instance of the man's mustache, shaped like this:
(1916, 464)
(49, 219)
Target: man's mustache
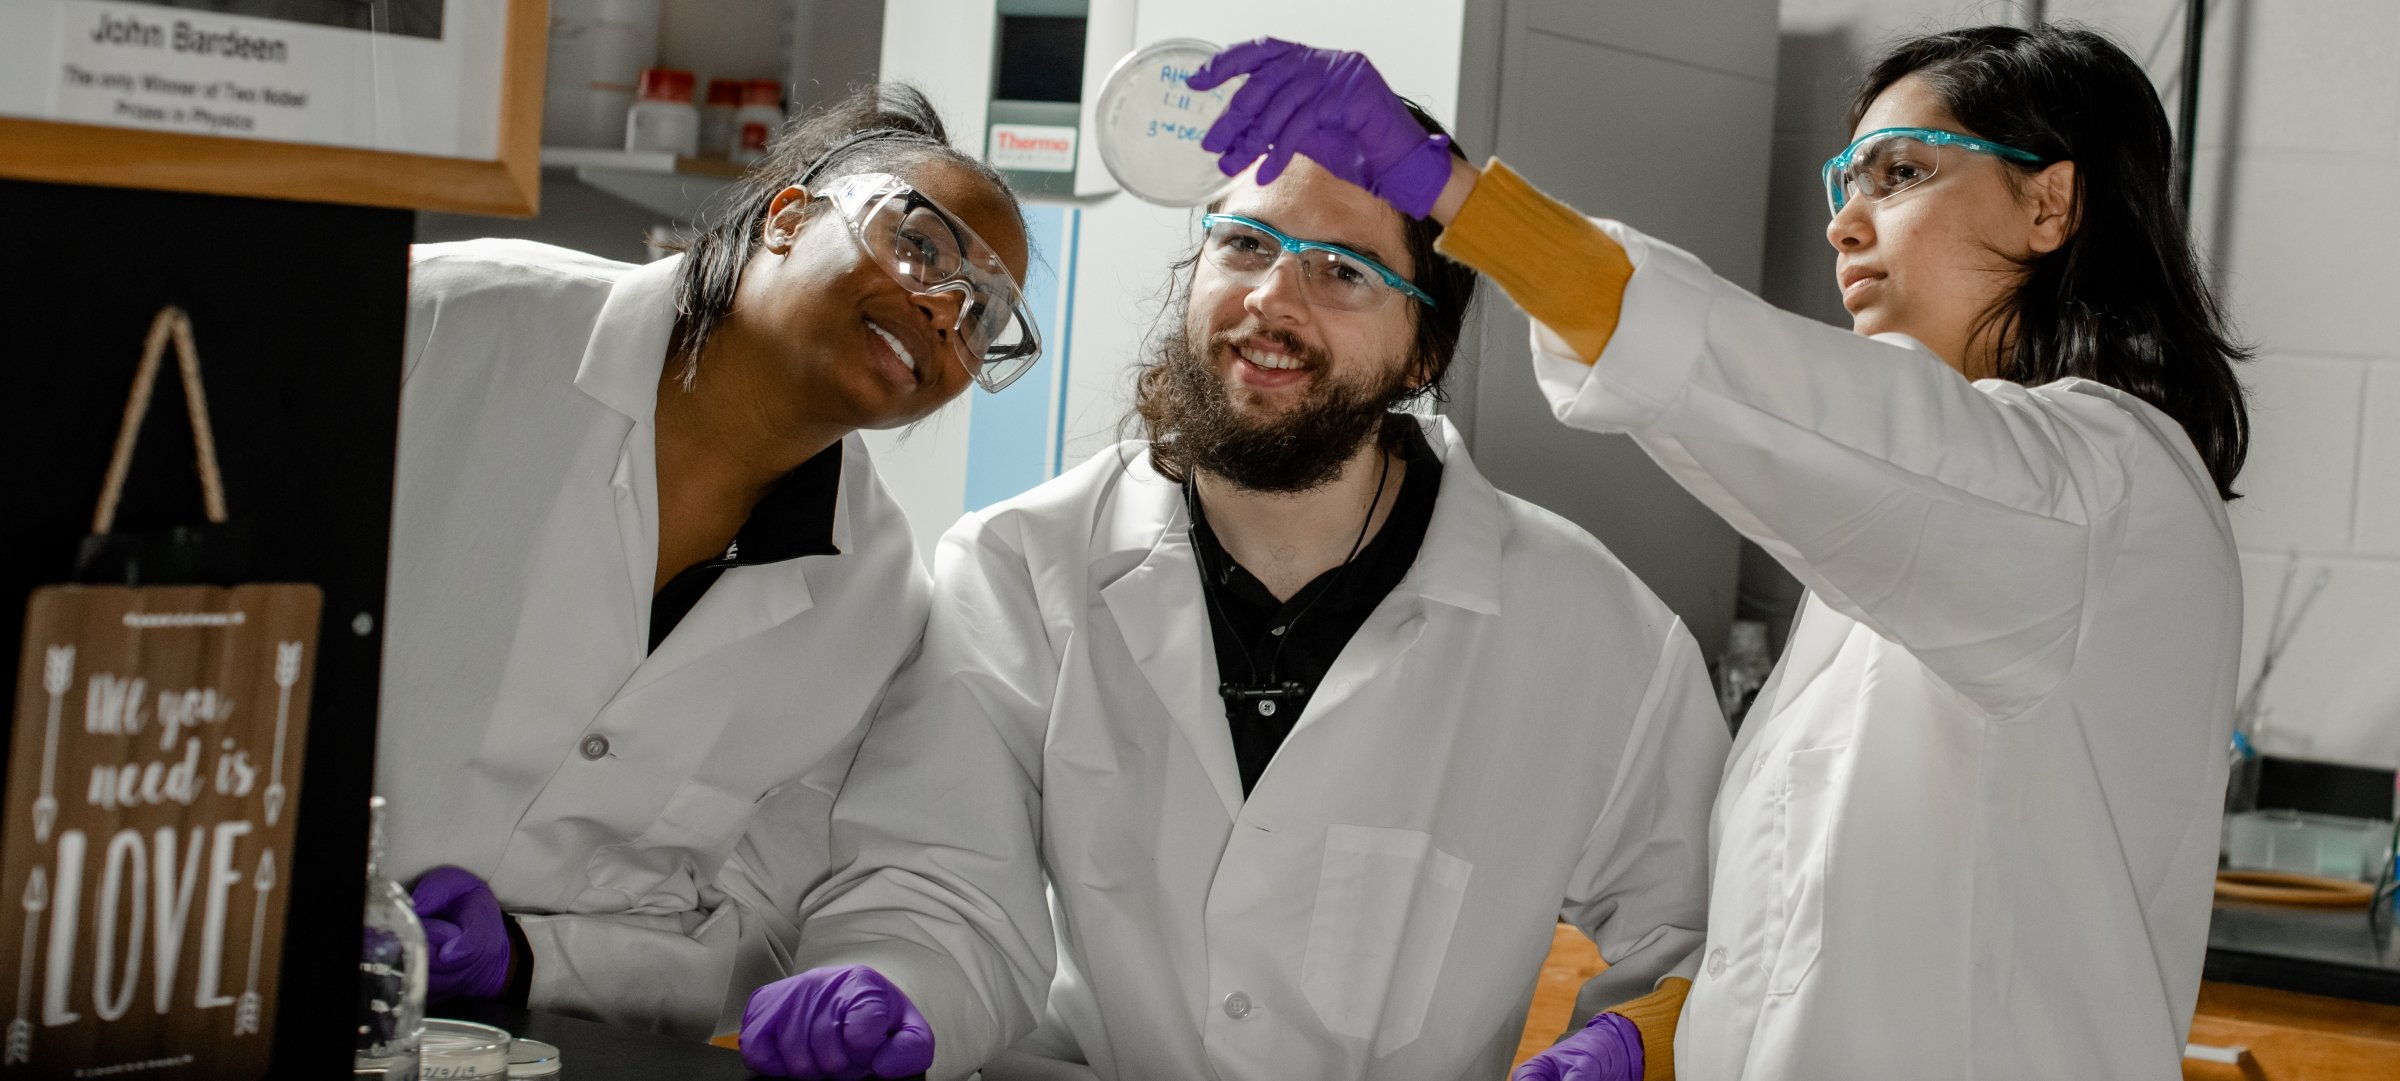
(1224, 341)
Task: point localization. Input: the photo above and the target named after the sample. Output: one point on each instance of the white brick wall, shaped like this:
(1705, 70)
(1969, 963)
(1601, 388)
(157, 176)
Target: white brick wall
(2309, 91)
(2298, 206)
(2303, 466)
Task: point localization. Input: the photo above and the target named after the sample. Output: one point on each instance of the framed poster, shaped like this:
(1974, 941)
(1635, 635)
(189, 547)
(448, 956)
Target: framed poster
(425, 104)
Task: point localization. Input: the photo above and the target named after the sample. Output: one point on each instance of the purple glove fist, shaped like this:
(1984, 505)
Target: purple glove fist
(1608, 1049)
(466, 937)
(835, 1024)
(1331, 106)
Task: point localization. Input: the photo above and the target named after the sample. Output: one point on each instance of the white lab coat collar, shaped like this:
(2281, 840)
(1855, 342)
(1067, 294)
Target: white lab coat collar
(1162, 614)
(620, 369)
(627, 352)
(628, 346)
(1457, 565)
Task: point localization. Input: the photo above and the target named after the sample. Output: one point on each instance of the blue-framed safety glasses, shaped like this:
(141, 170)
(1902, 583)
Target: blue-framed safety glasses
(1887, 161)
(1331, 276)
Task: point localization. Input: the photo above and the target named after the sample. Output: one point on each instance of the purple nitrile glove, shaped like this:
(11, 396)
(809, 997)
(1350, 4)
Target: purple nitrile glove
(843, 1023)
(1330, 105)
(466, 937)
(1608, 1049)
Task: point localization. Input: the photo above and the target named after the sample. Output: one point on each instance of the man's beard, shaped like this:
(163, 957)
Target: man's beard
(1303, 448)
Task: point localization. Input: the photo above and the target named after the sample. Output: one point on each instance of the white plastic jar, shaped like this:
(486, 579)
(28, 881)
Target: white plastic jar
(717, 117)
(664, 119)
(758, 121)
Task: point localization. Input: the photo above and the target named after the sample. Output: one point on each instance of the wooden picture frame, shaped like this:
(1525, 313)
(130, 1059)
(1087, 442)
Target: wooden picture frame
(509, 185)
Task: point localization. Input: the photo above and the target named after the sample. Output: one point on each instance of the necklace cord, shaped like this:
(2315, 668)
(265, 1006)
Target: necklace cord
(1275, 660)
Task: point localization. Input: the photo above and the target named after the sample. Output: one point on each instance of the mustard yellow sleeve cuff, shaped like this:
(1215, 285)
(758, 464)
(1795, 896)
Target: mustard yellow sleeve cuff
(1563, 270)
(1654, 1015)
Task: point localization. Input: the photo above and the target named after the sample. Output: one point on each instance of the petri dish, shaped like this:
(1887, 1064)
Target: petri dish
(462, 1051)
(532, 1060)
(1150, 122)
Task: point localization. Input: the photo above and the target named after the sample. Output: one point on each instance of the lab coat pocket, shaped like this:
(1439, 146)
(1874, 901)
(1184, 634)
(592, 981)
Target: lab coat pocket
(664, 868)
(1386, 903)
(1810, 793)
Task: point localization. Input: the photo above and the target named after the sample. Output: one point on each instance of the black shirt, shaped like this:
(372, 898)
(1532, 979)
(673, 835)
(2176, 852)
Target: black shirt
(794, 519)
(1263, 641)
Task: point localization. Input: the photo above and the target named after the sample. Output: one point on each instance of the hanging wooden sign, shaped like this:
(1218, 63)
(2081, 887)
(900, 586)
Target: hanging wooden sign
(153, 775)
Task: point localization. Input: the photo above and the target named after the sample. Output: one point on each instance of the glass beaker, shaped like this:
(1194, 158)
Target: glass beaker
(391, 971)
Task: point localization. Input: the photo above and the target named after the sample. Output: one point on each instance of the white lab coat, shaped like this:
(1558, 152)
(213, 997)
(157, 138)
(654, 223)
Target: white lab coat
(1969, 827)
(528, 734)
(1520, 731)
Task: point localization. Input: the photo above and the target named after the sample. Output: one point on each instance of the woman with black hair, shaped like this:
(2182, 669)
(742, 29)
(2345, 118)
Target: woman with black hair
(1970, 826)
(646, 588)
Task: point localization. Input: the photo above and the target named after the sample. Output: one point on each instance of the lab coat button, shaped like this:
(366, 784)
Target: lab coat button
(1237, 1005)
(1716, 961)
(595, 747)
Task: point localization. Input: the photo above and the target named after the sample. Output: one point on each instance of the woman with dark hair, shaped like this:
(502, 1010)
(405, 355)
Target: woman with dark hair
(646, 588)
(1970, 826)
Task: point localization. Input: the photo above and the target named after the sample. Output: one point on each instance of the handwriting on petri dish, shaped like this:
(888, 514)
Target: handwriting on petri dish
(1187, 133)
(1177, 97)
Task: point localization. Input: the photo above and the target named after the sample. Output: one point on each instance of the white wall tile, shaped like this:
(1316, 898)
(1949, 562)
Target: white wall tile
(2309, 270)
(2302, 75)
(2277, 74)
(2335, 693)
(2378, 526)
(2297, 485)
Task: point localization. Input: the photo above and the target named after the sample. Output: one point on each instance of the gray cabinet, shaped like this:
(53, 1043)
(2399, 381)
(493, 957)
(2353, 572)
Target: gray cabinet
(1661, 116)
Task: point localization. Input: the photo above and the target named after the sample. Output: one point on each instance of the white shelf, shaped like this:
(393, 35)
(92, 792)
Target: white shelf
(675, 186)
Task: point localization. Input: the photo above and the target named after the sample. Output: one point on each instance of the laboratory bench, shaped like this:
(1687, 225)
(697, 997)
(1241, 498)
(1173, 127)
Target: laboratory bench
(2301, 994)
(2317, 951)
(590, 1051)
(2296, 994)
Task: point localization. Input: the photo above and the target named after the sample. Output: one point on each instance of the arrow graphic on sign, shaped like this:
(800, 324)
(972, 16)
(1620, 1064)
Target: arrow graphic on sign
(287, 672)
(58, 673)
(245, 1013)
(20, 1031)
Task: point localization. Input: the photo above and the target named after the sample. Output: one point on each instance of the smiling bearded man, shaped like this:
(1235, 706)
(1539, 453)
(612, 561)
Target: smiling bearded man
(1185, 403)
(1254, 705)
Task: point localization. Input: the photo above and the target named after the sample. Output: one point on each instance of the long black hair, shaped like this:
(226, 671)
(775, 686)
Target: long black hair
(2123, 302)
(888, 128)
(1434, 344)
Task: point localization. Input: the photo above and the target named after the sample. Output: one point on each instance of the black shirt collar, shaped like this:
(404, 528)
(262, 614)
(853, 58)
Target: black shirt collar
(1385, 558)
(794, 519)
(1261, 641)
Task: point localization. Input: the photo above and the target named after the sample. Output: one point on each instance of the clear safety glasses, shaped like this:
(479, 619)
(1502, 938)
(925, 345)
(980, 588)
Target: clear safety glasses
(1331, 276)
(1888, 161)
(929, 252)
